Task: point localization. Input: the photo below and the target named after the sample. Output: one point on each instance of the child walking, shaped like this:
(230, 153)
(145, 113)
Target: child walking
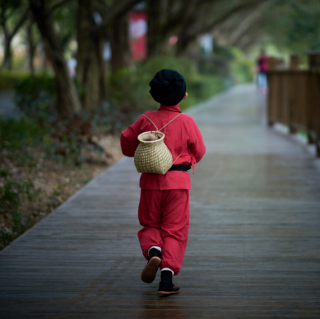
(164, 203)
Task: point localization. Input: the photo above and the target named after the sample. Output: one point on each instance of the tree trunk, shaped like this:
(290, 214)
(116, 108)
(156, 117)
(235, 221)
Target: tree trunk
(250, 19)
(120, 47)
(90, 65)
(184, 42)
(30, 48)
(43, 57)
(182, 45)
(9, 35)
(155, 37)
(7, 54)
(68, 101)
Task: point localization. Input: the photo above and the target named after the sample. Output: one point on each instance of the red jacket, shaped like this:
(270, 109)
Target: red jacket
(182, 135)
(263, 63)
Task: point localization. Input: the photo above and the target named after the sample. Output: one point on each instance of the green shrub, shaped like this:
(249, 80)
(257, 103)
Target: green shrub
(11, 194)
(242, 70)
(130, 88)
(241, 67)
(184, 66)
(17, 134)
(35, 95)
(229, 64)
(9, 78)
(6, 238)
(201, 87)
(9, 197)
(64, 138)
(18, 60)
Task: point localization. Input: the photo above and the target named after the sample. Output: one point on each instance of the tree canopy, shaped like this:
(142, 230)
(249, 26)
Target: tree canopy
(54, 25)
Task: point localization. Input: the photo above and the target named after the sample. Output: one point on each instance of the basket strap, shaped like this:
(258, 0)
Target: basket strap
(170, 121)
(193, 160)
(162, 126)
(179, 155)
(150, 121)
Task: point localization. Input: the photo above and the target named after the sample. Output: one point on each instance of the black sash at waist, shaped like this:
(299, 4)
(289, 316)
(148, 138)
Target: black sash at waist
(180, 167)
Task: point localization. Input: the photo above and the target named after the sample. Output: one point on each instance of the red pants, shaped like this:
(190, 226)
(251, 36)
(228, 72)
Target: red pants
(164, 216)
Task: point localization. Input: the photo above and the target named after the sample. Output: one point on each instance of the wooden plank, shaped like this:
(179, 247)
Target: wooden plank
(253, 249)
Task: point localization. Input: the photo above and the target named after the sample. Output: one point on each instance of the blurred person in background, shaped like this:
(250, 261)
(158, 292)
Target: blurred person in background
(262, 68)
(72, 65)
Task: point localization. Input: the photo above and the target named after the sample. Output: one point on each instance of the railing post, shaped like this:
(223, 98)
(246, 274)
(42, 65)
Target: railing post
(293, 65)
(314, 127)
(274, 91)
(271, 92)
(314, 61)
(270, 99)
(294, 62)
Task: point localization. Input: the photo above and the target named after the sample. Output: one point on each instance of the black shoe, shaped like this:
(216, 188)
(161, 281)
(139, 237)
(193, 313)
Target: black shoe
(167, 288)
(150, 271)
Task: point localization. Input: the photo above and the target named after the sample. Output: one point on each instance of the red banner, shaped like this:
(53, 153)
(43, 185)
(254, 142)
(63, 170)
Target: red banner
(138, 35)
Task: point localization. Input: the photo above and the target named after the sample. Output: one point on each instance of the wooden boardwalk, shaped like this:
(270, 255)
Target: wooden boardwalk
(254, 244)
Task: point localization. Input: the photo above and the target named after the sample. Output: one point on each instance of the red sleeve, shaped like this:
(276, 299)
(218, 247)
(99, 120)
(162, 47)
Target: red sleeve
(129, 138)
(196, 143)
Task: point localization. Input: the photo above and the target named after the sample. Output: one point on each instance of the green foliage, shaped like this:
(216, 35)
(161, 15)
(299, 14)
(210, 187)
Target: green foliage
(9, 78)
(18, 61)
(65, 138)
(130, 88)
(229, 65)
(202, 87)
(242, 71)
(183, 65)
(65, 22)
(305, 27)
(9, 197)
(18, 226)
(241, 67)
(17, 134)
(295, 26)
(6, 238)
(35, 95)
(11, 194)
(215, 65)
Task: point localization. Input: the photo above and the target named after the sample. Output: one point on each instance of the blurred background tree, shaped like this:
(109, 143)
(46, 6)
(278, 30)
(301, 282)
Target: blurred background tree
(220, 38)
(13, 14)
(295, 26)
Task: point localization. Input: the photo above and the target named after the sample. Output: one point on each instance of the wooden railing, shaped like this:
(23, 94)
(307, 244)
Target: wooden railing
(294, 99)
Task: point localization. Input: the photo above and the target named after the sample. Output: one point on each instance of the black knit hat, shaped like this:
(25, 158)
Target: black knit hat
(168, 87)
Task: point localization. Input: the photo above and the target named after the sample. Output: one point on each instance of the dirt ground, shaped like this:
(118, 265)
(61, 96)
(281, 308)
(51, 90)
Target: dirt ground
(33, 192)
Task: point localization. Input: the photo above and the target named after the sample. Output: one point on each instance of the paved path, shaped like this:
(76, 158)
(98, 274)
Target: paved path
(8, 109)
(253, 250)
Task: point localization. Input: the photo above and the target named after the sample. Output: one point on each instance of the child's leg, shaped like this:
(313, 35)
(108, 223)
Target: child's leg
(150, 218)
(174, 228)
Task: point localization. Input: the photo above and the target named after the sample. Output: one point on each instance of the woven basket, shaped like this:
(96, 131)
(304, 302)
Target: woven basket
(152, 156)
